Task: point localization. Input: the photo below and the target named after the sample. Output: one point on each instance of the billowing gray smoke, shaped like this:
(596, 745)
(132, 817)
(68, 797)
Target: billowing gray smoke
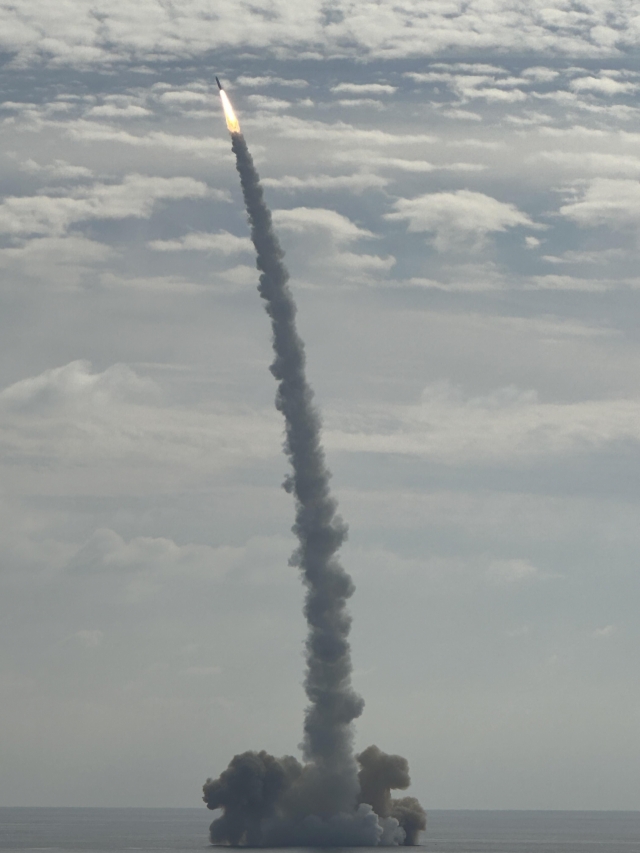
(379, 775)
(328, 801)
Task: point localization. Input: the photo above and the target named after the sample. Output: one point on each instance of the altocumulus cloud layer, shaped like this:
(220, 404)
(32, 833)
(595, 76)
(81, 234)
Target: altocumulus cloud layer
(90, 33)
(460, 215)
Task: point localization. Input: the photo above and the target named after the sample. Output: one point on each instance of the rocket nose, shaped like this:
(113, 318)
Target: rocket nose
(219, 84)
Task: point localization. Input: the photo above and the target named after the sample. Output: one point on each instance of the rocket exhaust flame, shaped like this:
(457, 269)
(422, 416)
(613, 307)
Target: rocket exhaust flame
(233, 125)
(330, 800)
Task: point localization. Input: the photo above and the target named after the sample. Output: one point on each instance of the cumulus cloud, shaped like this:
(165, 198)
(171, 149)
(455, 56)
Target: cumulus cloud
(300, 219)
(144, 561)
(57, 169)
(107, 551)
(73, 416)
(240, 276)
(184, 96)
(222, 243)
(106, 32)
(60, 261)
(376, 161)
(322, 237)
(53, 214)
(74, 386)
(509, 425)
(470, 88)
(365, 88)
(152, 283)
(265, 102)
(116, 111)
(340, 132)
(552, 281)
(93, 131)
(602, 85)
(592, 162)
(453, 217)
(470, 82)
(259, 82)
(352, 262)
(357, 182)
(540, 74)
(606, 201)
(371, 103)
(461, 115)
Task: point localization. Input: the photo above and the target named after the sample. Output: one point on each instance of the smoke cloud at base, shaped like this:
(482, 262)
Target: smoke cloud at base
(336, 798)
(272, 802)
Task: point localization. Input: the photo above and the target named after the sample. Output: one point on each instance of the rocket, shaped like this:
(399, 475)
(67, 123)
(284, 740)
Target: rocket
(219, 84)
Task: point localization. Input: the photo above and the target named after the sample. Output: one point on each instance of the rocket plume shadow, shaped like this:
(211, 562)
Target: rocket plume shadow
(336, 798)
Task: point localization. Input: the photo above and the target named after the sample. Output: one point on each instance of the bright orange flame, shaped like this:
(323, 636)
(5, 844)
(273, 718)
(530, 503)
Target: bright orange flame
(232, 122)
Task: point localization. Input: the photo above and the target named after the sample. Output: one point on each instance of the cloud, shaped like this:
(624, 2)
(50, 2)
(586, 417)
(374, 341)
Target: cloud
(89, 638)
(57, 169)
(321, 237)
(222, 243)
(539, 74)
(455, 216)
(265, 102)
(156, 283)
(103, 33)
(596, 256)
(145, 563)
(268, 80)
(115, 111)
(292, 127)
(300, 219)
(375, 161)
(91, 131)
(602, 86)
(592, 162)
(509, 425)
(463, 278)
(240, 276)
(462, 115)
(353, 263)
(365, 88)
(74, 386)
(63, 261)
(568, 283)
(511, 571)
(53, 214)
(107, 551)
(606, 201)
(473, 82)
(184, 96)
(603, 633)
(79, 419)
(371, 103)
(358, 182)
(492, 94)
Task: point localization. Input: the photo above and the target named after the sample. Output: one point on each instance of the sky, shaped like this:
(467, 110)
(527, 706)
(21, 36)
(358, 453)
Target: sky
(456, 187)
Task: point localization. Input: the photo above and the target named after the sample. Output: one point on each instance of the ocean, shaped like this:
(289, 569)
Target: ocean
(175, 830)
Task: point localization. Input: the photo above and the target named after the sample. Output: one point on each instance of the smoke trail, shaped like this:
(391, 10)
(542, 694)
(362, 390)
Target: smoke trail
(276, 802)
(320, 532)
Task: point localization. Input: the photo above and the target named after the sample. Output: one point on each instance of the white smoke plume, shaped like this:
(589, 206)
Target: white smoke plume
(335, 798)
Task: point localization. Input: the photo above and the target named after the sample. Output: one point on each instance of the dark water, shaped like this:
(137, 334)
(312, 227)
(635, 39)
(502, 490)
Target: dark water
(175, 830)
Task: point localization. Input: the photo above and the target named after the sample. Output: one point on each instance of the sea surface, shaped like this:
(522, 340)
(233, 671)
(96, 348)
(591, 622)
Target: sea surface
(175, 830)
